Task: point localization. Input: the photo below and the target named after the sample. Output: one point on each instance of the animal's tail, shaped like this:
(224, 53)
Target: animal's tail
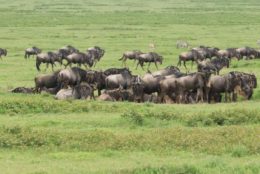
(38, 63)
(25, 55)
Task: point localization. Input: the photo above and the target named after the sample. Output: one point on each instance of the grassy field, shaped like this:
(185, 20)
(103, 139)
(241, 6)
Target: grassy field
(39, 135)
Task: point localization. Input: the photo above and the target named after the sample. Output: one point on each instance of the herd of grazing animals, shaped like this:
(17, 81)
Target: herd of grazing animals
(168, 85)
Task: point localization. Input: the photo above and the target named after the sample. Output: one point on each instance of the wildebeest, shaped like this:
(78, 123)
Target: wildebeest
(97, 52)
(48, 58)
(167, 71)
(111, 71)
(223, 84)
(214, 65)
(87, 59)
(24, 90)
(138, 89)
(71, 77)
(228, 53)
(31, 51)
(246, 52)
(192, 56)
(131, 55)
(149, 57)
(81, 91)
(97, 78)
(46, 81)
(123, 79)
(3, 52)
(151, 83)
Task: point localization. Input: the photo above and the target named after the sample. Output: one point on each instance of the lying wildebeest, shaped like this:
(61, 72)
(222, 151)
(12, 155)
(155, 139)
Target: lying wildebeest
(97, 52)
(192, 56)
(167, 71)
(214, 65)
(3, 52)
(71, 77)
(87, 59)
(24, 90)
(105, 97)
(131, 55)
(47, 81)
(81, 91)
(111, 71)
(48, 58)
(31, 51)
(223, 84)
(123, 79)
(149, 57)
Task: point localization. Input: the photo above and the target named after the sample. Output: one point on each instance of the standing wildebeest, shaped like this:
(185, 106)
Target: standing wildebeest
(87, 59)
(149, 57)
(49, 58)
(131, 55)
(151, 83)
(228, 53)
(97, 52)
(116, 80)
(46, 81)
(71, 77)
(3, 52)
(138, 89)
(223, 84)
(246, 52)
(192, 56)
(32, 51)
(97, 78)
(214, 65)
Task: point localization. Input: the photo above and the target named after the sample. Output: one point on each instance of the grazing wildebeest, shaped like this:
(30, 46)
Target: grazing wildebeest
(131, 55)
(71, 77)
(46, 81)
(48, 58)
(192, 56)
(3, 52)
(149, 57)
(87, 59)
(116, 80)
(111, 71)
(31, 51)
(214, 65)
(97, 52)
(223, 84)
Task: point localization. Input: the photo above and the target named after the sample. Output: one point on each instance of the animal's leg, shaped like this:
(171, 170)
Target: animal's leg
(137, 65)
(184, 63)
(148, 65)
(156, 65)
(52, 66)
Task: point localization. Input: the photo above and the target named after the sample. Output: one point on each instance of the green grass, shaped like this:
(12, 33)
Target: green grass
(40, 135)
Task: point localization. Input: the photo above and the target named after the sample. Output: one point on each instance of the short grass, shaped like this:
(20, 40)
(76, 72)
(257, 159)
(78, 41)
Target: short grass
(40, 135)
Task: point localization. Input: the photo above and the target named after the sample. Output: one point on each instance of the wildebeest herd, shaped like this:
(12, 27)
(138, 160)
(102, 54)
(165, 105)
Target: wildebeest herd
(168, 85)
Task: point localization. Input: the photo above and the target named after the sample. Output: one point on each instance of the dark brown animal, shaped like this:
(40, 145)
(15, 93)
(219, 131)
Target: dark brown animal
(3, 52)
(87, 59)
(149, 58)
(131, 55)
(97, 52)
(46, 81)
(48, 58)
